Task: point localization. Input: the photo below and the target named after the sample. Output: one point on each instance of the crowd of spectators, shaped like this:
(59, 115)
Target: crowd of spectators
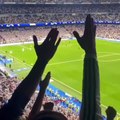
(12, 108)
(15, 35)
(10, 14)
(60, 17)
(61, 1)
(57, 13)
(7, 87)
(37, 9)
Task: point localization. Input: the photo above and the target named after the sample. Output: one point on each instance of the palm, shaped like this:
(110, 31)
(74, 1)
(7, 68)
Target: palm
(87, 41)
(47, 49)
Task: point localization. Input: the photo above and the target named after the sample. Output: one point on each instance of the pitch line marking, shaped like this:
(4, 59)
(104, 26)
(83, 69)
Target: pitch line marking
(77, 60)
(68, 61)
(107, 61)
(108, 55)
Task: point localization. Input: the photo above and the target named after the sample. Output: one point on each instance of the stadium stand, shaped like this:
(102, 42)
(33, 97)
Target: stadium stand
(106, 10)
(8, 85)
(60, 2)
(25, 34)
(11, 14)
(46, 13)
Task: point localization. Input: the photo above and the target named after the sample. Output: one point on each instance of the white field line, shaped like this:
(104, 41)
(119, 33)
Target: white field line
(113, 54)
(20, 43)
(42, 39)
(67, 86)
(68, 61)
(77, 60)
(76, 91)
(106, 61)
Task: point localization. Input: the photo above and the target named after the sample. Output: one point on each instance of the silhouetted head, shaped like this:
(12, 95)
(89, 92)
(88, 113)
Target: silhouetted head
(111, 113)
(49, 115)
(48, 106)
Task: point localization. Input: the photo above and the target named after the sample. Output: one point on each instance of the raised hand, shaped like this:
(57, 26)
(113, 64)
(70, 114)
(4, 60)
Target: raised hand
(38, 103)
(87, 41)
(43, 84)
(111, 113)
(47, 49)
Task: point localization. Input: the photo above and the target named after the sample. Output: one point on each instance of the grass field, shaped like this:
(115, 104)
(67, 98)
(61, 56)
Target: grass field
(67, 66)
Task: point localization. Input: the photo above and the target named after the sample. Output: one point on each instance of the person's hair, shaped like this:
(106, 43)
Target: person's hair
(49, 115)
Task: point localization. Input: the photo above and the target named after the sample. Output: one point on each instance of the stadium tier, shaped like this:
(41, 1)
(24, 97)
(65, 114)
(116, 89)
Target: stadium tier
(59, 1)
(11, 14)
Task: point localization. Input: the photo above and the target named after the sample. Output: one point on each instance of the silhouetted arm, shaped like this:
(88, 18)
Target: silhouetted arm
(90, 109)
(38, 103)
(44, 53)
(25, 90)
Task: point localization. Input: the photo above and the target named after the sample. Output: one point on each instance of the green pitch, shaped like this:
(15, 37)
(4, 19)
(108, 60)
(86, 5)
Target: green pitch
(67, 67)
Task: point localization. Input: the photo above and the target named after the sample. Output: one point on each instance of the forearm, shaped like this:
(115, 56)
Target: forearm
(91, 89)
(37, 105)
(29, 84)
(31, 81)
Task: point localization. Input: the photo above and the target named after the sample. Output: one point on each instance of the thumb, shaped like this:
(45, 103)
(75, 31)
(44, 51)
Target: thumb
(48, 76)
(75, 33)
(35, 41)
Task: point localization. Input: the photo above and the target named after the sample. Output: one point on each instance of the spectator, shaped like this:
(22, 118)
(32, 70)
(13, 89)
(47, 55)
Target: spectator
(48, 106)
(90, 109)
(13, 109)
(38, 103)
(47, 113)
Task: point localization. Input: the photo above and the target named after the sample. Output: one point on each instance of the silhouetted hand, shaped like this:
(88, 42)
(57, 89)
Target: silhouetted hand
(111, 113)
(44, 83)
(87, 41)
(38, 103)
(47, 49)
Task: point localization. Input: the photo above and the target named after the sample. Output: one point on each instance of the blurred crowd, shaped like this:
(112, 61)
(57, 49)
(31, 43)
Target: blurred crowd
(37, 9)
(14, 35)
(14, 100)
(61, 1)
(7, 87)
(11, 14)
